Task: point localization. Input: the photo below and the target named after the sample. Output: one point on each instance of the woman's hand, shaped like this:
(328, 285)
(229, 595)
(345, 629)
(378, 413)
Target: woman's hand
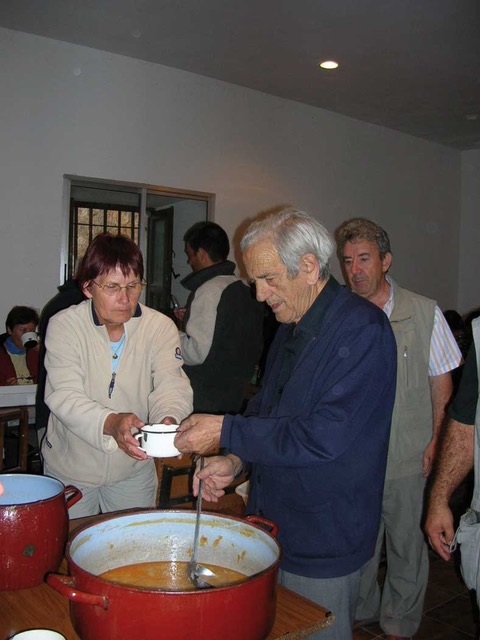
(119, 426)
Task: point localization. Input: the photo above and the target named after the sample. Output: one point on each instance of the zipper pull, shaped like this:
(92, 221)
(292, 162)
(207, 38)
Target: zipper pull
(405, 359)
(111, 385)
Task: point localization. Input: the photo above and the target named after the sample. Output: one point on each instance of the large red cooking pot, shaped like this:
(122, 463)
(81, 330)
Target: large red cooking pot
(108, 611)
(33, 528)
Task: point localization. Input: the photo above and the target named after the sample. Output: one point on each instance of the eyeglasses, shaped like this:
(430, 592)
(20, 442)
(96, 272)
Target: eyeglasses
(113, 289)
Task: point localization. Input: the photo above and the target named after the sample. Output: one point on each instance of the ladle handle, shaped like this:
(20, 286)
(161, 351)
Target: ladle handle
(197, 520)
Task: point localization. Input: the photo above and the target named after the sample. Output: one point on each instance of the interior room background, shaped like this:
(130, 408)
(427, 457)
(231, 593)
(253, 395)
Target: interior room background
(68, 110)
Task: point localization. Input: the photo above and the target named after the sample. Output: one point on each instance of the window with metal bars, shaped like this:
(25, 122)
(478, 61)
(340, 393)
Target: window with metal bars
(88, 219)
(154, 218)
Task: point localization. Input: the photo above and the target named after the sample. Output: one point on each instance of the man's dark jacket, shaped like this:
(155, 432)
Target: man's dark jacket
(319, 441)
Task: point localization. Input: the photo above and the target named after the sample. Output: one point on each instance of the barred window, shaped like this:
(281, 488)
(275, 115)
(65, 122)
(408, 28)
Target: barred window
(154, 218)
(87, 220)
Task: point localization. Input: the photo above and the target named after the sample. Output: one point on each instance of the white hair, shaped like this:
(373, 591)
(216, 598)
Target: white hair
(293, 233)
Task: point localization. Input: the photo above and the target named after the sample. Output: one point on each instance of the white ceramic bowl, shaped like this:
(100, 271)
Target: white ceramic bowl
(157, 440)
(38, 634)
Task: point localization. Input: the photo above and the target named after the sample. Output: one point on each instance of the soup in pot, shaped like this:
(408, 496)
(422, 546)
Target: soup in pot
(168, 576)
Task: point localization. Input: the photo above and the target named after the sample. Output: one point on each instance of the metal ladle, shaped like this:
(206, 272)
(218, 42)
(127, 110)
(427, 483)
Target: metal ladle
(196, 571)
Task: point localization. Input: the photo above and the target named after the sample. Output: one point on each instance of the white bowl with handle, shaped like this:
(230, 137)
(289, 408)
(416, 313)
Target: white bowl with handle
(157, 440)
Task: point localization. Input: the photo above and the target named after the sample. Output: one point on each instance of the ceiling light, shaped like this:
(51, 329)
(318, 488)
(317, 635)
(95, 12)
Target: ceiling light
(328, 64)
(472, 116)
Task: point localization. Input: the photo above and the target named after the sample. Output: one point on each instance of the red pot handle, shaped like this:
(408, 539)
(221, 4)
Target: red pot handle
(75, 496)
(266, 524)
(65, 585)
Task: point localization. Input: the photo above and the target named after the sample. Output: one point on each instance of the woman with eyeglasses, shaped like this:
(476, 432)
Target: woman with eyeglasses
(112, 365)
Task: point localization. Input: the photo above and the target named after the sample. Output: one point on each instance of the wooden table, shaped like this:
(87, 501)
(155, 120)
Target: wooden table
(43, 607)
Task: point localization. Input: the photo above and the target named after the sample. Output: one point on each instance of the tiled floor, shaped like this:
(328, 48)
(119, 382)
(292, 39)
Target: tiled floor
(449, 613)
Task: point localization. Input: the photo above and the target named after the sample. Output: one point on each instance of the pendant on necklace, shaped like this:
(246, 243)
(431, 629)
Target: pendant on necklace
(119, 346)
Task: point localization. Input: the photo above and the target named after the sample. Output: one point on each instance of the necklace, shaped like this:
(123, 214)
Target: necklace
(119, 346)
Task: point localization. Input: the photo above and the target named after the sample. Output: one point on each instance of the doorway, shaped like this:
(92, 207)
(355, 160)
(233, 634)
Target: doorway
(156, 219)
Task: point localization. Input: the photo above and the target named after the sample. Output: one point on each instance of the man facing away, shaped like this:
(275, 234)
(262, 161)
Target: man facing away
(223, 322)
(426, 353)
(315, 436)
(460, 451)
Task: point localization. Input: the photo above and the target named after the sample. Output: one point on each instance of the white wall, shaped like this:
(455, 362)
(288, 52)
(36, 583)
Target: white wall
(67, 109)
(468, 286)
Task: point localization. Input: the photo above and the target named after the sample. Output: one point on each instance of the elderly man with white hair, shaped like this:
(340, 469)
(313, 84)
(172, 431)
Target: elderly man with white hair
(315, 438)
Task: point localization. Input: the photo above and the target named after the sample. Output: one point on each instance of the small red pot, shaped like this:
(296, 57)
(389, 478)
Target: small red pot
(101, 609)
(33, 528)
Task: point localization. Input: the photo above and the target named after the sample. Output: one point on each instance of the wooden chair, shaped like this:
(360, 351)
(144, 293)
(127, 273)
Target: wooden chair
(175, 482)
(7, 415)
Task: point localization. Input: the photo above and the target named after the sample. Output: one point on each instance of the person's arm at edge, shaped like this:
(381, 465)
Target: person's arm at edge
(440, 392)
(455, 460)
